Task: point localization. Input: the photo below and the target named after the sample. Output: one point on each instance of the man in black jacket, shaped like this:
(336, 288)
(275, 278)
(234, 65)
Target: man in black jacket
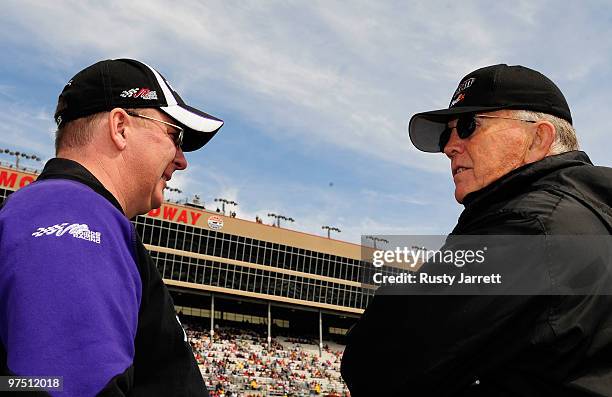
(546, 331)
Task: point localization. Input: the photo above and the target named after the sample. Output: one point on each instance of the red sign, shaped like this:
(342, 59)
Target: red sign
(169, 213)
(9, 178)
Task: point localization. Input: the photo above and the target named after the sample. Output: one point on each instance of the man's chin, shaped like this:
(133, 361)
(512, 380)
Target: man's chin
(157, 200)
(460, 195)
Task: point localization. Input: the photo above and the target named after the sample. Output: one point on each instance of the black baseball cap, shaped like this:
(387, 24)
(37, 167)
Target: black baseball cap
(487, 89)
(127, 83)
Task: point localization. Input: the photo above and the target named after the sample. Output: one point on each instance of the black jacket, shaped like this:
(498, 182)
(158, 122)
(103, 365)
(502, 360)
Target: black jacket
(557, 343)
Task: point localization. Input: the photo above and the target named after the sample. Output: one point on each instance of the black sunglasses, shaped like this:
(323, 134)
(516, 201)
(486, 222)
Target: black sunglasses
(466, 125)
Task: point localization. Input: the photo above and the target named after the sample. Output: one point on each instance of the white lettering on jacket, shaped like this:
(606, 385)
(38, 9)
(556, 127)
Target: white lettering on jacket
(76, 230)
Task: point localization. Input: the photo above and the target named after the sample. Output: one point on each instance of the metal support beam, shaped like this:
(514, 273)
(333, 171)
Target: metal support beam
(212, 316)
(269, 324)
(320, 334)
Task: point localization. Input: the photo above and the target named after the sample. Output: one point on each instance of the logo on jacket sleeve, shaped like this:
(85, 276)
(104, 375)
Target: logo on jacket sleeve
(76, 230)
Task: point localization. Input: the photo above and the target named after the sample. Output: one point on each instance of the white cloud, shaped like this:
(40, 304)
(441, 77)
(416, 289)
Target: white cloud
(325, 87)
(346, 76)
(315, 74)
(387, 198)
(27, 130)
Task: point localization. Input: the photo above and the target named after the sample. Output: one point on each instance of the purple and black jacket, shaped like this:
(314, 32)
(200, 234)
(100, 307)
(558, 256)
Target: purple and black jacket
(80, 297)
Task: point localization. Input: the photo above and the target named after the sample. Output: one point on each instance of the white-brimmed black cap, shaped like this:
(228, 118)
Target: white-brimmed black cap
(127, 83)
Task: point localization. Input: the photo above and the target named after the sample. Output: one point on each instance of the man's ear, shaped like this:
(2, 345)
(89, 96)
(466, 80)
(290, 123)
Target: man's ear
(542, 141)
(118, 123)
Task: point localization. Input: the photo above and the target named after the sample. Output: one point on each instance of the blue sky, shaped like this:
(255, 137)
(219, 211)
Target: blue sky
(316, 96)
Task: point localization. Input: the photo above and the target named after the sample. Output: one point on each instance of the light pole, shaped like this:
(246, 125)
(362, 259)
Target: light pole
(279, 217)
(196, 202)
(225, 201)
(331, 229)
(19, 155)
(375, 239)
(173, 190)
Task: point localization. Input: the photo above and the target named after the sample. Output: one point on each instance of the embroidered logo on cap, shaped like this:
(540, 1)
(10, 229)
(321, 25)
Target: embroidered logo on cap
(143, 93)
(459, 96)
(457, 100)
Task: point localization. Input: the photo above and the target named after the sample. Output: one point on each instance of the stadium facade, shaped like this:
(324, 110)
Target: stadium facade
(229, 271)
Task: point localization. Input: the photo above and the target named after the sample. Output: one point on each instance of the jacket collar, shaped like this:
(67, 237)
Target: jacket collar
(520, 179)
(59, 168)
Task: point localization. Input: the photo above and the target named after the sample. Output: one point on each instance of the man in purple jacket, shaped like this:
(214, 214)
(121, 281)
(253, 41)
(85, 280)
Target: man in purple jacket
(80, 297)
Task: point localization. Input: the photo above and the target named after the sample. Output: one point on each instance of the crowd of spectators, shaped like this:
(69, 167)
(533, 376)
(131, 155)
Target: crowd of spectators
(240, 363)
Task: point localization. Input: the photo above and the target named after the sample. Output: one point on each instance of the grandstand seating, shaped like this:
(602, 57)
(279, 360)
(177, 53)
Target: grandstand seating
(238, 362)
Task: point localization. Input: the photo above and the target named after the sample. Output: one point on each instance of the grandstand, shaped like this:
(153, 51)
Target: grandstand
(274, 284)
(242, 362)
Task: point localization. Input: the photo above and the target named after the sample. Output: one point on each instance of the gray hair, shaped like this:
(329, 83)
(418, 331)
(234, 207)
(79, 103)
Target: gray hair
(565, 134)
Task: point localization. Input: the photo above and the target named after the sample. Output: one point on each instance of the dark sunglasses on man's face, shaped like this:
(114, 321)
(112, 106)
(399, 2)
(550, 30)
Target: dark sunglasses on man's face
(466, 125)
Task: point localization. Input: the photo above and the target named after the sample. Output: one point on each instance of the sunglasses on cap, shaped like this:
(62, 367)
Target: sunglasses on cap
(466, 125)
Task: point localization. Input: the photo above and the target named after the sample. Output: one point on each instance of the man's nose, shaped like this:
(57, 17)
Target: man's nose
(180, 162)
(454, 145)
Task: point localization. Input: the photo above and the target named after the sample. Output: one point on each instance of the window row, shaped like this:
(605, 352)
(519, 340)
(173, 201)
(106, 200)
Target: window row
(186, 238)
(200, 271)
(229, 316)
